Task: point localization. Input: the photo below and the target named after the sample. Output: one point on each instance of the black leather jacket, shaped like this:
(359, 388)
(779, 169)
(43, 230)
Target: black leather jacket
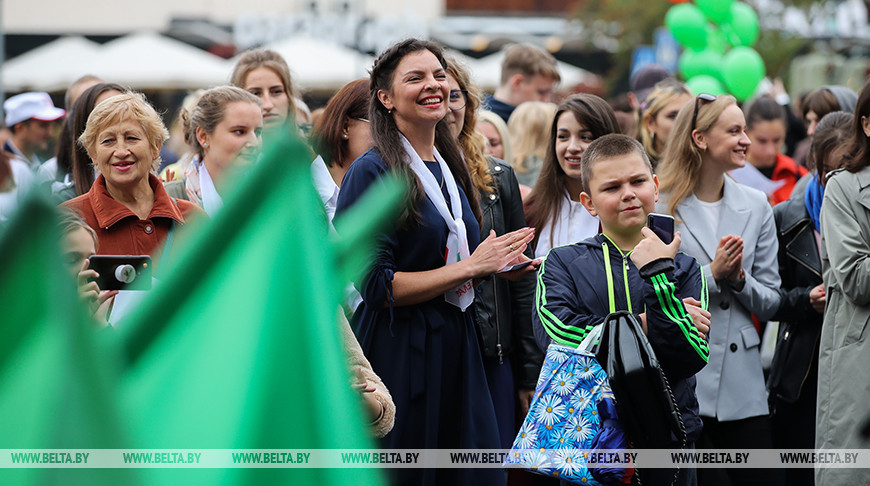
(504, 308)
(797, 348)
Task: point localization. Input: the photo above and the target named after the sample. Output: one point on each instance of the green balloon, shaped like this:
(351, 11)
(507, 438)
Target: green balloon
(717, 11)
(688, 25)
(694, 63)
(743, 27)
(716, 39)
(742, 70)
(704, 83)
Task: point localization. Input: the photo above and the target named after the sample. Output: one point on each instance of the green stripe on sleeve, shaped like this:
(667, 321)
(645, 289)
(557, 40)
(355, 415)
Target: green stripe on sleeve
(705, 295)
(556, 329)
(674, 310)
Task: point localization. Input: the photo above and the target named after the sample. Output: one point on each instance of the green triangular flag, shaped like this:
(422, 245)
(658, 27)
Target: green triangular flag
(55, 390)
(239, 348)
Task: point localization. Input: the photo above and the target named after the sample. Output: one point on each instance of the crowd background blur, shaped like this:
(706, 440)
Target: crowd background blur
(523, 108)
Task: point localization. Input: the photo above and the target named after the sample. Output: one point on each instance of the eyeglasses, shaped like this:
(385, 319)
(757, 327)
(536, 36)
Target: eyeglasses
(706, 98)
(457, 99)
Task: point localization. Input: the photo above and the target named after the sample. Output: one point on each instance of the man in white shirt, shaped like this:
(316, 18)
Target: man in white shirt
(29, 116)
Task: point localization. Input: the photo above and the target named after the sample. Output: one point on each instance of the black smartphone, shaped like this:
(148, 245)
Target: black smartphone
(122, 272)
(511, 268)
(662, 225)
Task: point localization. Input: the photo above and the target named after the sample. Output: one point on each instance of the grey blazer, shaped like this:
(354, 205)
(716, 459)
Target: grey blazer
(731, 386)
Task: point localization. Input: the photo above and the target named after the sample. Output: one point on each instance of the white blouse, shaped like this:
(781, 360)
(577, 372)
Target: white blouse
(573, 224)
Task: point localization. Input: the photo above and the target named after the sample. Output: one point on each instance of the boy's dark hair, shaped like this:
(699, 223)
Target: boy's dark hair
(606, 147)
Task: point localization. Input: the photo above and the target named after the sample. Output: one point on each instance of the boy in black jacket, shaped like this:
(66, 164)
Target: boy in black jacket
(627, 267)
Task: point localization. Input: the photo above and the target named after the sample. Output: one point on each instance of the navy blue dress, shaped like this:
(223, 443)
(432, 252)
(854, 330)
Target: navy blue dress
(427, 354)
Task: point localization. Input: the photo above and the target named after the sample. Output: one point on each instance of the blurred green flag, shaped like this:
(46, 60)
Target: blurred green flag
(238, 348)
(55, 383)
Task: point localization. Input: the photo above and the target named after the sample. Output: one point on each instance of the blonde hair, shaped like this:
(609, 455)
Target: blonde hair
(485, 116)
(528, 60)
(529, 128)
(680, 168)
(117, 108)
(469, 140)
(209, 111)
(273, 61)
(661, 96)
(69, 221)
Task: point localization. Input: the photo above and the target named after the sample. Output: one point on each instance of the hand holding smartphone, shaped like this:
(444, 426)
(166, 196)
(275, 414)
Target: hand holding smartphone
(122, 272)
(662, 225)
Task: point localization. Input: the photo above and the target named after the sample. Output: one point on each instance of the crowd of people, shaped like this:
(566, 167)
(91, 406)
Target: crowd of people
(524, 224)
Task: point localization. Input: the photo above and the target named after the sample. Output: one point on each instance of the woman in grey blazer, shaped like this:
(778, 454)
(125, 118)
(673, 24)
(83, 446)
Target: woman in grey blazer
(729, 229)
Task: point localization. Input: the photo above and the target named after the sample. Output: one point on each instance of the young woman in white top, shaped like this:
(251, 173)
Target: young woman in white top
(553, 207)
(223, 129)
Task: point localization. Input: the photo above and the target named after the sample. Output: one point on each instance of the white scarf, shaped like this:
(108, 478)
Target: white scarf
(211, 200)
(457, 239)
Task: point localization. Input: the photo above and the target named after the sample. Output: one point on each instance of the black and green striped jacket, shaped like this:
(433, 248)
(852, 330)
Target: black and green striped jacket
(572, 297)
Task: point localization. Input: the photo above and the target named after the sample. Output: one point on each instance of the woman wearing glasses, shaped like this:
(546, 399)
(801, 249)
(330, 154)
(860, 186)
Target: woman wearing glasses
(340, 136)
(729, 229)
(503, 307)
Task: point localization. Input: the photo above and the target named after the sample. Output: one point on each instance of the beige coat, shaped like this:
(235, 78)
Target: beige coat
(355, 357)
(844, 354)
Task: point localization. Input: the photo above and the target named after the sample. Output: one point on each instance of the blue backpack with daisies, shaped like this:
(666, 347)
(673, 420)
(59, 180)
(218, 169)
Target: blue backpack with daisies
(572, 414)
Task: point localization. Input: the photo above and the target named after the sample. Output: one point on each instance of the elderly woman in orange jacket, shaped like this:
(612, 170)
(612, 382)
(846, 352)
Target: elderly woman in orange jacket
(127, 205)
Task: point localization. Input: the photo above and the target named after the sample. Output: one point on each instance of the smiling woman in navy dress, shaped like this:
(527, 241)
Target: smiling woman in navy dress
(415, 323)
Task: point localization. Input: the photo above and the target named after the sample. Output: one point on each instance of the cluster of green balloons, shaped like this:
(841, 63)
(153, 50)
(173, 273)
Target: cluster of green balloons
(706, 30)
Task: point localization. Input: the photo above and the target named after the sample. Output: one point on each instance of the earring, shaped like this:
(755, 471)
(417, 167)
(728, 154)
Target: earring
(389, 112)
(344, 136)
(205, 144)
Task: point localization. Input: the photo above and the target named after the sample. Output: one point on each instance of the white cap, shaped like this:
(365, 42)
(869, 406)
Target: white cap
(36, 105)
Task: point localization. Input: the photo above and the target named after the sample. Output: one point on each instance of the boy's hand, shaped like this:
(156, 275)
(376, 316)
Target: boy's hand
(525, 397)
(700, 317)
(652, 248)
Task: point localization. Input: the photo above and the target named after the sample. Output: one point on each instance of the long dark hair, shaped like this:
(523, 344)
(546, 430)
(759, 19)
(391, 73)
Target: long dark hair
(385, 133)
(66, 144)
(545, 201)
(859, 146)
(82, 168)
